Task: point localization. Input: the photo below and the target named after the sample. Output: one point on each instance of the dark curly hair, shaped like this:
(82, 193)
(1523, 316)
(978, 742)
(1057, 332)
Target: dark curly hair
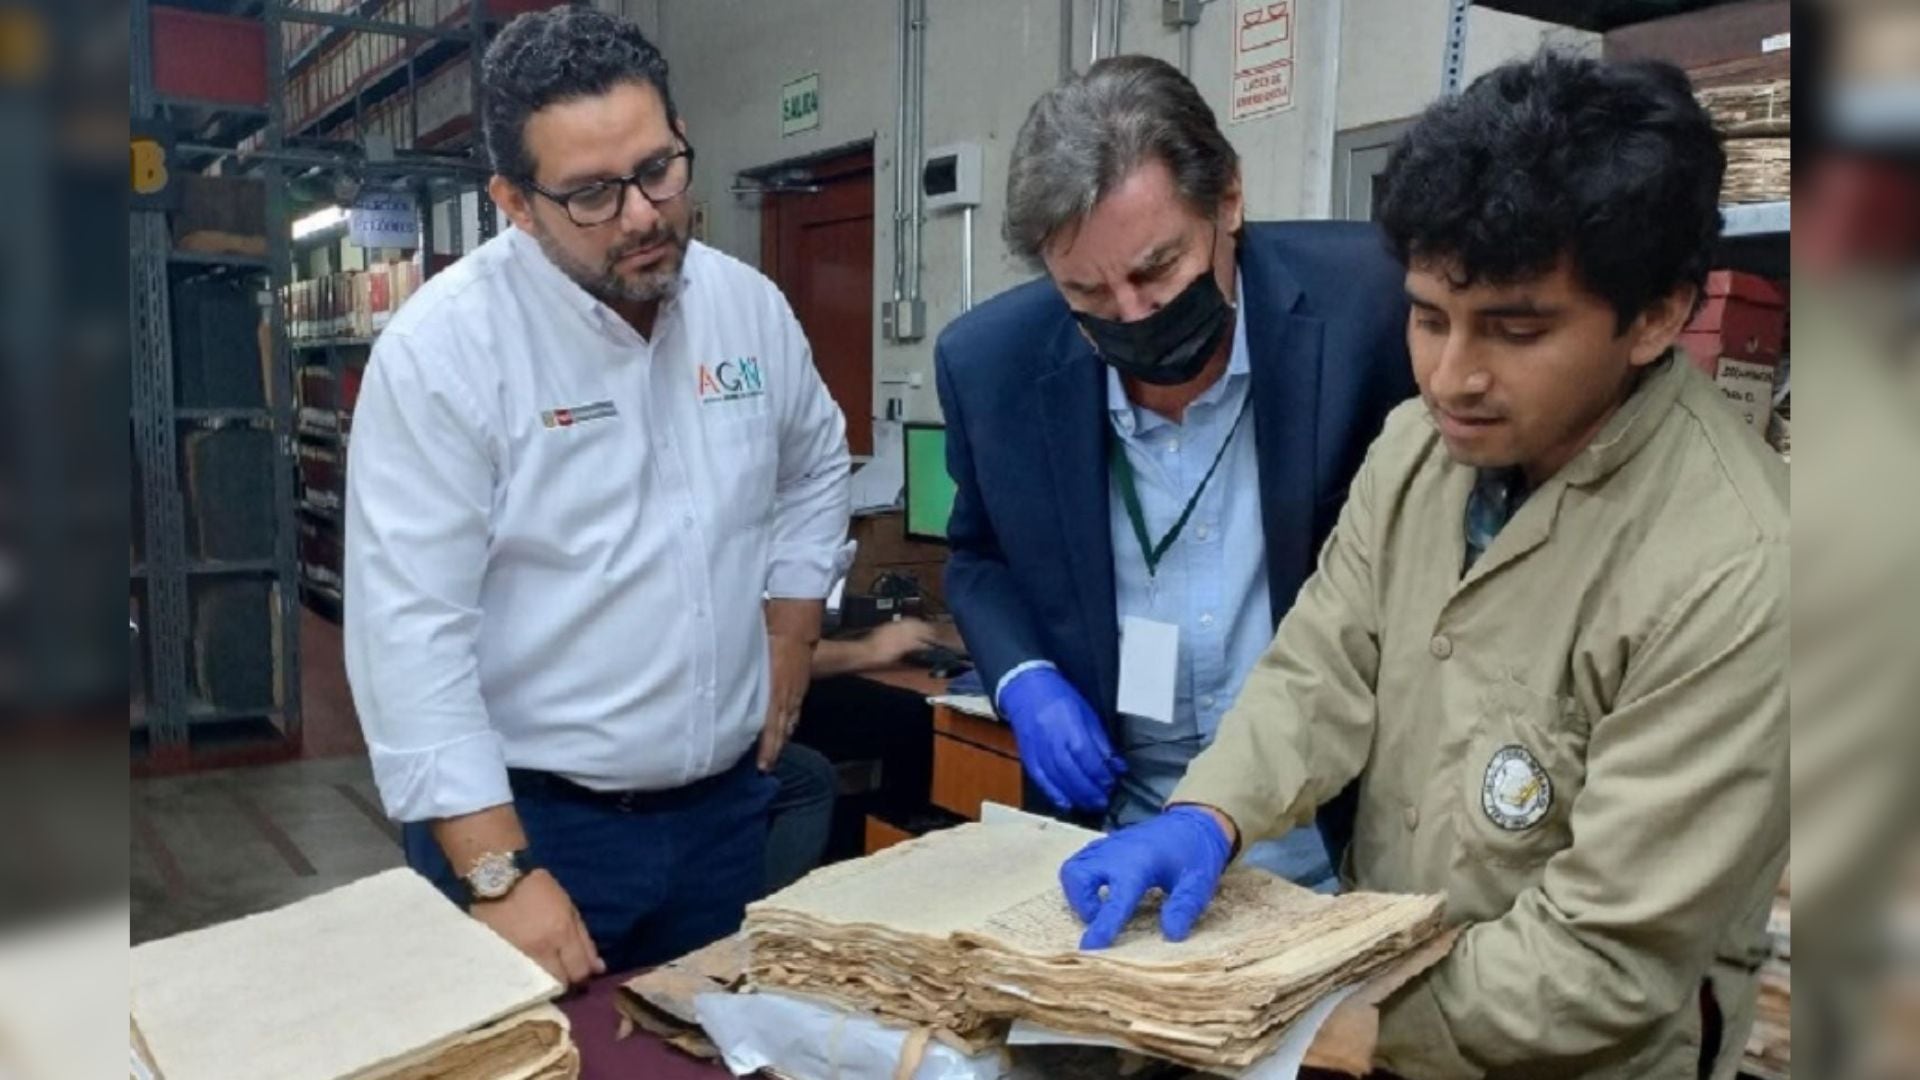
(1612, 164)
(545, 57)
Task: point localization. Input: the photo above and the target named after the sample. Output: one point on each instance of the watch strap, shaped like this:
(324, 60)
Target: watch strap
(523, 864)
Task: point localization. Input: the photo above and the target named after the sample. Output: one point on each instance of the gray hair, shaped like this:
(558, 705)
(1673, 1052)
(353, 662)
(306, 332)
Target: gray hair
(1085, 136)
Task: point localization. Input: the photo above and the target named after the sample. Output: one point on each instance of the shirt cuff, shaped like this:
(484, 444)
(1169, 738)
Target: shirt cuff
(802, 572)
(1018, 670)
(464, 776)
(1243, 791)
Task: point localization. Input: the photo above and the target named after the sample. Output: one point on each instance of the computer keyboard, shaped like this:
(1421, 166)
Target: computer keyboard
(940, 661)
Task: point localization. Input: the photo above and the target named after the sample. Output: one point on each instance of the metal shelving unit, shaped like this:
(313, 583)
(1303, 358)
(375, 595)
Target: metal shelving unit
(1759, 219)
(1593, 14)
(166, 726)
(1757, 238)
(205, 258)
(315, 344)
(452, 167)
(262, 141)
(334, 354)
(224, 412)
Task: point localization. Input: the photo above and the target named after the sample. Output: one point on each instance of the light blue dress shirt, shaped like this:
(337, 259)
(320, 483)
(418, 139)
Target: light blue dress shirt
(1212, 584)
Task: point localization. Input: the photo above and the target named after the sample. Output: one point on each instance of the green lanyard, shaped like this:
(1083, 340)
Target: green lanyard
(1130, 494)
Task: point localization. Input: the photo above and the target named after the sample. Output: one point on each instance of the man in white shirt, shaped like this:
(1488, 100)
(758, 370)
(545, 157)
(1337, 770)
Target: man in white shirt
(595, 493)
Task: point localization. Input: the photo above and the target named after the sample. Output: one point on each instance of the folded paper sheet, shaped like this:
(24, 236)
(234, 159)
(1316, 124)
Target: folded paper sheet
(382, 979)
(965, 929)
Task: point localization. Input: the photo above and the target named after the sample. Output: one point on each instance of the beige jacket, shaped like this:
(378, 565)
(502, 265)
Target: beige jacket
(1582, 743)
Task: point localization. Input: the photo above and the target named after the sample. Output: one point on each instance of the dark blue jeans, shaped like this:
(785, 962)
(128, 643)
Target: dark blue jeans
(653, 880)
(801, 819)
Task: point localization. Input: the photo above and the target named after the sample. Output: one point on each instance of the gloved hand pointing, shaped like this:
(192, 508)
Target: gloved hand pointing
(1183, 852)
(1063, 744)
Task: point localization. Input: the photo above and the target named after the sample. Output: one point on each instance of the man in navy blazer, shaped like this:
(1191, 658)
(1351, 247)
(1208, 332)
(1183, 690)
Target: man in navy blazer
(1159, 434)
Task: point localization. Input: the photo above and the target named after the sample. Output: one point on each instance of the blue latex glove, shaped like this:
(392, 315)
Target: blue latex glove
(1063, 744)
(1183, 852)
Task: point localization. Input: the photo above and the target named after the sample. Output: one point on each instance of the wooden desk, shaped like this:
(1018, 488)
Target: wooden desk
(916, 680)
(975, 760)
(877, 729)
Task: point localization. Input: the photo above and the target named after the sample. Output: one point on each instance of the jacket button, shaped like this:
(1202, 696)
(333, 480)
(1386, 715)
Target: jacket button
(1441, 646)
(1412, 816)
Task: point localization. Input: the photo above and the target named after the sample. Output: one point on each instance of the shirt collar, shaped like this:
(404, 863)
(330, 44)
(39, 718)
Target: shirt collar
(1633, 424)
(529, 253)
(589, 307)
(1239, 364)
(1628, 429)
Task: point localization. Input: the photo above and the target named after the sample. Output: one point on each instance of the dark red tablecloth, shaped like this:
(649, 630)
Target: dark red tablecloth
(639, 1056)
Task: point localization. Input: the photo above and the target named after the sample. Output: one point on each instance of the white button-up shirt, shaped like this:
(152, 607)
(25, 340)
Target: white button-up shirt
(559, 533)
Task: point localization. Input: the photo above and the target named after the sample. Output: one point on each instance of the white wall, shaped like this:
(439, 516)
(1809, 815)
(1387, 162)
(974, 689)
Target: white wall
(645, 13)
(1391, 53)
(987, 60)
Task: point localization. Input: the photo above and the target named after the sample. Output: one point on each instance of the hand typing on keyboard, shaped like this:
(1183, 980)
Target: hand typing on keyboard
(940, 661)
(909, 641)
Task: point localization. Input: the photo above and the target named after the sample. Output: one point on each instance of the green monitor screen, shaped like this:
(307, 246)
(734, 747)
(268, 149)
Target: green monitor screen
(929, 488)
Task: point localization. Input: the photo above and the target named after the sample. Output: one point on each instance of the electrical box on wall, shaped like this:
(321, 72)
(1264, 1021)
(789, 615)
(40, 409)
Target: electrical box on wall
(951, 177)
(903, 320)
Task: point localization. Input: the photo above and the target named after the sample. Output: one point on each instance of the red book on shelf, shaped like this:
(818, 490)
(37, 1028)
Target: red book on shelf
(379, 296)
(350, 386)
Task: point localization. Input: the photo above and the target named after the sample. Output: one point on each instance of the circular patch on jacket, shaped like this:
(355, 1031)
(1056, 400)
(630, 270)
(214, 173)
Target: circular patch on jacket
(1517, 792)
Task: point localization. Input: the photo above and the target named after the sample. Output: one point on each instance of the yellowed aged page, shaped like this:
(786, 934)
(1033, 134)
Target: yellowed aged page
(524, 1046)
(946, 882)
(967, 928)
(345, 984)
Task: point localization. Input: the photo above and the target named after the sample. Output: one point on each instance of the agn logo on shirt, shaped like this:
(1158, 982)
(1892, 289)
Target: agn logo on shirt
(731, 380)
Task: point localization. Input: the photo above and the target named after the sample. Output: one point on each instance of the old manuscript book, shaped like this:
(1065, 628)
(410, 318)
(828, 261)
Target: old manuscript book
(382, 979)
(965, 928)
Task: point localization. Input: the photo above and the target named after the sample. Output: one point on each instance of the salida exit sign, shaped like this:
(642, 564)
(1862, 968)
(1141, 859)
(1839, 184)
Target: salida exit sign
(800, 104)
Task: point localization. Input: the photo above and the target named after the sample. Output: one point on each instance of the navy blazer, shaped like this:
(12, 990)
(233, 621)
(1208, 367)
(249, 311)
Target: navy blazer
(1030, 575)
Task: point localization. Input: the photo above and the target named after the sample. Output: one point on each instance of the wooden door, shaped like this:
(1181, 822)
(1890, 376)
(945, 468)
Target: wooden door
(817, 245)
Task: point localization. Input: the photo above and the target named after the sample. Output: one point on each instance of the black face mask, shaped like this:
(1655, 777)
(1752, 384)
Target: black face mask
(1170, 346)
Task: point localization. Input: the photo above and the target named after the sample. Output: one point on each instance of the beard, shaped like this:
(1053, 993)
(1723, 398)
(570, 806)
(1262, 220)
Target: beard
(607, 284)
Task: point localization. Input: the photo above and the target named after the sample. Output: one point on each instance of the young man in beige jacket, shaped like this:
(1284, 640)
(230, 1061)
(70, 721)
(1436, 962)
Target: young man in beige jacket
(1548, 638)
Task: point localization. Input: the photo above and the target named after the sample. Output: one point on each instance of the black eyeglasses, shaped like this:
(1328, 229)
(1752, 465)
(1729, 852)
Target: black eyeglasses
(660, 180)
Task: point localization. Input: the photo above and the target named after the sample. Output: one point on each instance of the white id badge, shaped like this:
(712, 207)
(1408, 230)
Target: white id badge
(1149, 658)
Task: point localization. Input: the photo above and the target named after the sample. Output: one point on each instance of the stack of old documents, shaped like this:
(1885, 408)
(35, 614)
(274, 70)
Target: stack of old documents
(965, 928)
(380, 979)
(1756, 120)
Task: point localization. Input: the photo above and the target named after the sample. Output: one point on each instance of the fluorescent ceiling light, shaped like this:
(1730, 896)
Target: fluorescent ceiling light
(324, 218)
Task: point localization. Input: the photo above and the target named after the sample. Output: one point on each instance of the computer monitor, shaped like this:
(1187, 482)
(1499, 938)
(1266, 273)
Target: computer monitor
(929, 488)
